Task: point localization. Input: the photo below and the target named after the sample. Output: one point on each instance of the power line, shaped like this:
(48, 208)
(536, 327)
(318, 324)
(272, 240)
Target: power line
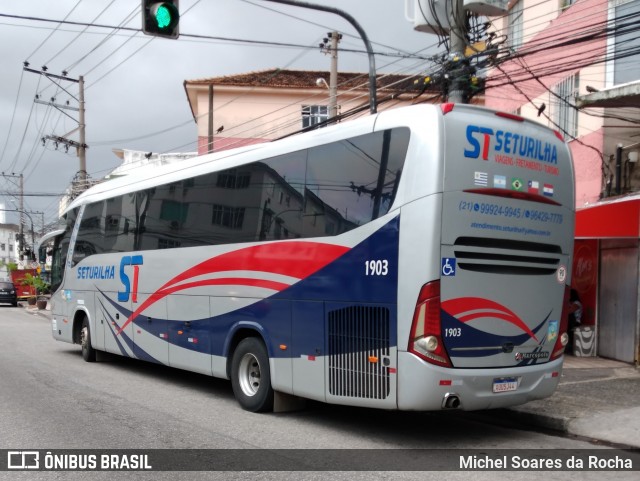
(110, 35)
(202, 37)
(13, 116)
(54, 31)
(80, 33)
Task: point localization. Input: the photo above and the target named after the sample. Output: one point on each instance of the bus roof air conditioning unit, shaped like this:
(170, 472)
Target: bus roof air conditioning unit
(430, 16)
(489, 8)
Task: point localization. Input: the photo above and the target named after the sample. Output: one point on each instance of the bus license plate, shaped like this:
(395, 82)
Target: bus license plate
(505, 385)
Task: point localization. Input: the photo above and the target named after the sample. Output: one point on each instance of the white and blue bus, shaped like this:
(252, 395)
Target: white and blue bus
(416, 259)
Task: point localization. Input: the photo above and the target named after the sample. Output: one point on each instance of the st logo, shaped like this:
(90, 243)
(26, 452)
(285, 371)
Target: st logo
(135, 262)
(479, 139)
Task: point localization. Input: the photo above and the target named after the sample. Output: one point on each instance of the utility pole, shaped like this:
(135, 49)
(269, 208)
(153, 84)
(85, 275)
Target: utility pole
(333, 75)
(210, 136)
(21, 243)
(457, 45)
(81, 146)
(332, 50)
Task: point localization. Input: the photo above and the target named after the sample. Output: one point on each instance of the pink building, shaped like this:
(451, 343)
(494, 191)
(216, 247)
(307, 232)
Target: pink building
(575, 65)
(254, 107)
(562, 51)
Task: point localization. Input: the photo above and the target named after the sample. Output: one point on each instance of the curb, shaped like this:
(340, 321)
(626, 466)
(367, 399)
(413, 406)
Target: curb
(519, 416)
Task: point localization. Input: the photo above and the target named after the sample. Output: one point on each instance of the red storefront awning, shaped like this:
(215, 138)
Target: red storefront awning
(612, 219)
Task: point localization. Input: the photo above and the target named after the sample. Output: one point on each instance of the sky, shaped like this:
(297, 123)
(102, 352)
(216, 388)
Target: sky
(134, 94)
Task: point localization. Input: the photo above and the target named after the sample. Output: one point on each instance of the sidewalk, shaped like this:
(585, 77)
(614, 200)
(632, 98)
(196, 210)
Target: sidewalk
(597, 399)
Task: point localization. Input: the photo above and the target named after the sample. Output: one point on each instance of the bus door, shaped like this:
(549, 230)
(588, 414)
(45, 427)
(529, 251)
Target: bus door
(115, 306)
(111, 316)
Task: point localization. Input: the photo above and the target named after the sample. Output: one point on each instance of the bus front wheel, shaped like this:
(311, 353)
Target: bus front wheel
(88, 352)
(251, 377)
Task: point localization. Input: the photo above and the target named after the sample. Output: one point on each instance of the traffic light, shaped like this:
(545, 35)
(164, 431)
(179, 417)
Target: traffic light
(160, 19)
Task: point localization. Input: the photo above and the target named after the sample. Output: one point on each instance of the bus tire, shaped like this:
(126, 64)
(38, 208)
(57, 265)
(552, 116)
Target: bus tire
(88, 352)
(251, 376)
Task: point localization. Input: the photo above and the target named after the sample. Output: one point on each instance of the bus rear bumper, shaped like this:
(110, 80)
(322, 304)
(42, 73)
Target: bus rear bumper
(425, 387)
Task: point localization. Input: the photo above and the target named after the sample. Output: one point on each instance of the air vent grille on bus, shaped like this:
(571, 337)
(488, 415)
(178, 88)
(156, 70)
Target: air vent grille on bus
(359, 351)
(504, 256)
(507, 244)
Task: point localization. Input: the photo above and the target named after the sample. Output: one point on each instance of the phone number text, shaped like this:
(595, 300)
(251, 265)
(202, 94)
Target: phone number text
(498, 210)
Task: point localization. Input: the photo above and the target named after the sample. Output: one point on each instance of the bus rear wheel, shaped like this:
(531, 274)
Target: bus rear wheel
(88, 352)
(251, 376)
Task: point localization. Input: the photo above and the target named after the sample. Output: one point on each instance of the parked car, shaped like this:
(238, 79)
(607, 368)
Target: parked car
(8, 293)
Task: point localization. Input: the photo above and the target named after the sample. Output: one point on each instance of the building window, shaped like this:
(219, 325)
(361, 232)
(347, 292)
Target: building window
(314, 114)
(626, 66)
(277, 231)
(174, 211)
(227, 216)
(514, 33)
(564, 4)
(565, 113)
(168, 244)
(232, 179)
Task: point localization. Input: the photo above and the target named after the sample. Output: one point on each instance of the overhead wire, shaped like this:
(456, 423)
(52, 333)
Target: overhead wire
(48, 113)
(310, 22)
(13, 117)
(296, 116)
(53, 31)
(79, 33)
(24, 135)
(183, 124)
(102, 42)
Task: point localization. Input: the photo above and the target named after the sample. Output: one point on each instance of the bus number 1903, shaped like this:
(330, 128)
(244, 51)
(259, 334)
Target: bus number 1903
(376, 267)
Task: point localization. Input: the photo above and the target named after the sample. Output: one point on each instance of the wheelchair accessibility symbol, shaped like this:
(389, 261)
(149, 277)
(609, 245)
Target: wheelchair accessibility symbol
(448, 266)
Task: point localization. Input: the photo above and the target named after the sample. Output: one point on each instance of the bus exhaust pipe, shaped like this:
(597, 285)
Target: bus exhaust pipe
(451, 401)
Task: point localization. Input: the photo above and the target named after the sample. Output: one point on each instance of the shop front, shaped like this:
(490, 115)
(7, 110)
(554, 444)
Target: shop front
(606, 269)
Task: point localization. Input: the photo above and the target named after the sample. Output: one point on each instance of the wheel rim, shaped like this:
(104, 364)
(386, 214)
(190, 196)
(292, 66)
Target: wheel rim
(249, 374)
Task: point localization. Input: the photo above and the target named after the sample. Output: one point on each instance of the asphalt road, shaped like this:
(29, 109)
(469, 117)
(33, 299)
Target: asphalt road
(51, 399)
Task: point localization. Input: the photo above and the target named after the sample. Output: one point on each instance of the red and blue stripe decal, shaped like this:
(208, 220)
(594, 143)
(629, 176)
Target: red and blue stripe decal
(275, 258)
(459, 313)
(296, 280)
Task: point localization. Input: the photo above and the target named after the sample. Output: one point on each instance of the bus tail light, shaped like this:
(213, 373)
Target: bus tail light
(426, 332)
(446, 108)
(563, 336)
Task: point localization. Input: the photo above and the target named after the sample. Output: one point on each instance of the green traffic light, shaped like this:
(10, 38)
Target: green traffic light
(163, 17)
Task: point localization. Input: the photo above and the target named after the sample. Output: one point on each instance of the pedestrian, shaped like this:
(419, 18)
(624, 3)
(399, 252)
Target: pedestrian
(575, 318)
